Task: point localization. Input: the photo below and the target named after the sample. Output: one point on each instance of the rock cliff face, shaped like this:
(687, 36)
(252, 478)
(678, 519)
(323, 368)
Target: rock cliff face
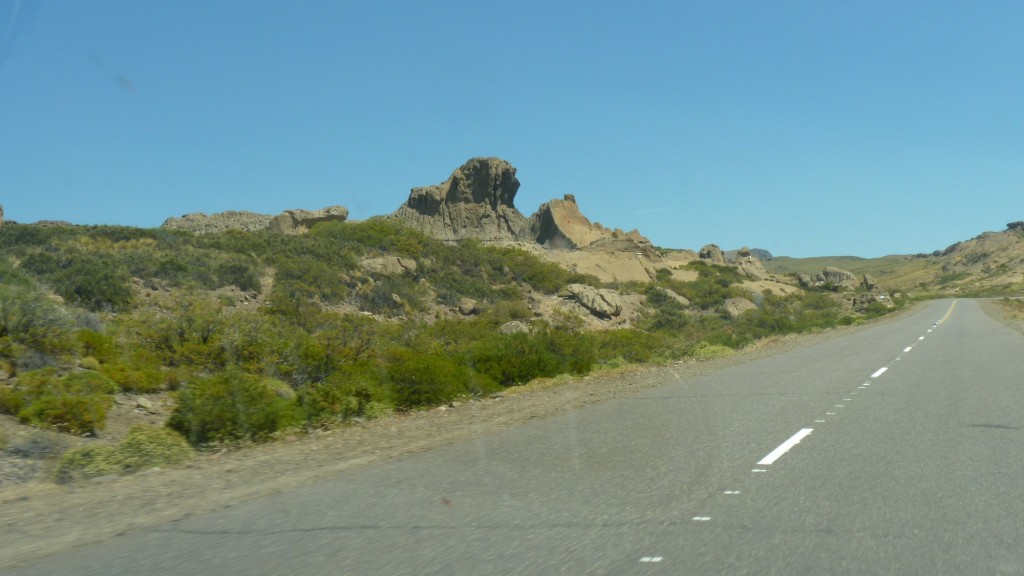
(476, 201)
(560, 224)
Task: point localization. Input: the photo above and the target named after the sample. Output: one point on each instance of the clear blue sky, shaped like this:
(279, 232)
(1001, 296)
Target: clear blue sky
(807, 128)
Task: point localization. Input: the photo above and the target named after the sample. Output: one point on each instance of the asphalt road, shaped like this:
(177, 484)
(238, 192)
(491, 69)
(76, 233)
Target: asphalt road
(915, 469)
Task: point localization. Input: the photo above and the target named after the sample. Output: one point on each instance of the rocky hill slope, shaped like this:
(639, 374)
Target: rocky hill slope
(991, 263)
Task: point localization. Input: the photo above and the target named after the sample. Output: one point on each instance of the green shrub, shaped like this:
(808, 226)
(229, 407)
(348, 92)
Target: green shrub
(706, 351)
(76, 403)
(28, 317)
(420, 379)
(356, 392)
(96, 280)
(143, 448)
(231, 406)
(133, 379)
(79, 415)
(510, 359)
(632, 346)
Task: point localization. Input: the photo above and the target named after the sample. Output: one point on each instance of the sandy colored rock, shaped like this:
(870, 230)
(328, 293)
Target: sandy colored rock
(735, 307)
(712, 254)
(300, 221)
(600, 302)
(388, 265)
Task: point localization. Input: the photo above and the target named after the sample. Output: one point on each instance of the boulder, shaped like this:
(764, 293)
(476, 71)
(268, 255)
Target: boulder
(829, 277)
(514, 327)
(476, 201)
(671, 294)
(712, 254)
(388, 265)
(300, 221)
(860, 302)
(735, 307)
(868, 283)
(600, 302)
(749, 265)
(468, 307)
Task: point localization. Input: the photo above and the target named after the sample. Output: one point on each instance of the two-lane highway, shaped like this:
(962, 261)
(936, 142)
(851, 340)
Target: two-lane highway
(893, 450)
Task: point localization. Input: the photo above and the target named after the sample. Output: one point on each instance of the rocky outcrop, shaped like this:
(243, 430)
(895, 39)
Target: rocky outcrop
(712, 254)
(682, 300)
(476, 201)
(200, 223)
(514, 327)
(600, 302)
(300, 221)
(288, 222)
(868, 283)
(749, 265)
(860, 302)
(829, 278)
(388, 265)
(735, 307)
(560, 224)
(468, 307)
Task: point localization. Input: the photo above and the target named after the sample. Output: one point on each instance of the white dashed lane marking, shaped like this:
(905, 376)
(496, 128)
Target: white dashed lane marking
(784, 447)
(880, 371)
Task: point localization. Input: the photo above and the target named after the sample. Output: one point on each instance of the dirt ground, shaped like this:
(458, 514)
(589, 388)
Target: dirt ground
(40, 518)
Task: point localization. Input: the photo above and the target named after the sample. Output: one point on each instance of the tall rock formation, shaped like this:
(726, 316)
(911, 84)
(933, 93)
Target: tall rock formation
(560, 224)
(713, 254)
(476, 201)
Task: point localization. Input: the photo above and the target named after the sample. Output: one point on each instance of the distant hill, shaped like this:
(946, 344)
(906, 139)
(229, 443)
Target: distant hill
(991, 263)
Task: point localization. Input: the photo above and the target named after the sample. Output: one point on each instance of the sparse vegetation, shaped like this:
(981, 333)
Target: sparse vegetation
(159, 311)
(143, 448)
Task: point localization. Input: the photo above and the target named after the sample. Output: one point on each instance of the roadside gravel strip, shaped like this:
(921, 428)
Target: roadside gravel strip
(40, 519)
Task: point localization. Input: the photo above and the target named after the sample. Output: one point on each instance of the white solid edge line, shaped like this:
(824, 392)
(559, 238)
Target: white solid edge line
(784, 447)
(879, 372)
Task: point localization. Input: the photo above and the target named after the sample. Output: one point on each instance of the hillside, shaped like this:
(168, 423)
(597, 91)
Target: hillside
(130, 348)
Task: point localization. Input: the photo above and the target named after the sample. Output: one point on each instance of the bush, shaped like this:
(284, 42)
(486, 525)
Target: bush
(131, 379)
(354, 393)
(510, 359)
(420, 379)
(231, 406)
(143, 448)
(29, 318)
(76, 403)
(95, 280)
